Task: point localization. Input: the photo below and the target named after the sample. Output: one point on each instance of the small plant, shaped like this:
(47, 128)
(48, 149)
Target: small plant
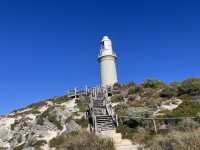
(136, 103)
(60, 100)
(19, 147)
(126, 131)
(154, 84)
(82, 103)
(57, 141)
(185, 109)
(117, 98)
(36, 105)
(53, 119)
(132, 90)
(51, 116)
(168, 92)
(82, 122)
(175, 141)
(190, 86)
(37, 145)
(81, 140)
(121, 110)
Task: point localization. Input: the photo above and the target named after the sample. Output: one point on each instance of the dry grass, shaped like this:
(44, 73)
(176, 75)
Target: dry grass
(175, 141)
(81, 140)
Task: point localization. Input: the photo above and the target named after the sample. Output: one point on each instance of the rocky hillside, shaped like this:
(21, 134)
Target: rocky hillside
(61, 122)
(38, 124)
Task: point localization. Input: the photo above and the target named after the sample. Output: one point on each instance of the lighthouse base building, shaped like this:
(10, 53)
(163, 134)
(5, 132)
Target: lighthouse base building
(107, 59)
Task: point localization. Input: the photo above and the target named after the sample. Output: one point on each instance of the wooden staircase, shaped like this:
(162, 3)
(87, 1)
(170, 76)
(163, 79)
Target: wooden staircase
(104, 121)
(102, 113)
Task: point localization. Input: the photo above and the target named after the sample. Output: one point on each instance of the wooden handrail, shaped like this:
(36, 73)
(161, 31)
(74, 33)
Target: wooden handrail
(167, 118)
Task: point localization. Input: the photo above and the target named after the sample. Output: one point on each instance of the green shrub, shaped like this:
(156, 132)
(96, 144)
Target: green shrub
(19, 147)
(116, 86)
(82, 103)
(168, 92)
(55, 142)
(60, 100)
(175, 141)
(33, 108)
(51, 116)
(185, 109)
(37, 105)
(38, 144)
(190, 86)
(127, 132)
(53, 119)
(132, 90)
(155, 84)
(117, 98)
(186, 125)
(136, 103)
(142, 112)
(121, 110)
(139, 136)
(81, 140)
(82, 122)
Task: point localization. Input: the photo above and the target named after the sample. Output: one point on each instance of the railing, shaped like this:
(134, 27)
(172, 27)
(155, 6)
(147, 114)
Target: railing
(111, 111)
(106, 102)
(94, 122)
(116, 117)
(92, 90)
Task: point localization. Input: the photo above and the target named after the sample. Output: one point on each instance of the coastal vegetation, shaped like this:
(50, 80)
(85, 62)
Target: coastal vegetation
(169, 118)
(81, 140)
(154, 114)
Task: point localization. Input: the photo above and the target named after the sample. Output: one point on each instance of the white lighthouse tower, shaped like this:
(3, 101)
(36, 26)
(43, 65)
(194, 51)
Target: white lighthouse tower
(107, 59)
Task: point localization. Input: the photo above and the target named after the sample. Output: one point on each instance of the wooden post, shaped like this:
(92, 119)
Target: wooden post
(75, 92)
(95, 92)
(154, 124)
(86, 90)
(92, 92)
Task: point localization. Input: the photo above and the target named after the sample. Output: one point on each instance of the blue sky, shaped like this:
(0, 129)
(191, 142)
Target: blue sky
(47, 47)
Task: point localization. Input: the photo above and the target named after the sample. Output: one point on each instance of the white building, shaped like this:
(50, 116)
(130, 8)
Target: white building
(107, 58)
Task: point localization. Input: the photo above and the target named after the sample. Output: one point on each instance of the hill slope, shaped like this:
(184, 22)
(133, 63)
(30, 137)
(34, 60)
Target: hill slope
(61, 122)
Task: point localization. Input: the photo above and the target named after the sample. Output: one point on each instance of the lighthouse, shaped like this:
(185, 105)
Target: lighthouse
(107, 58)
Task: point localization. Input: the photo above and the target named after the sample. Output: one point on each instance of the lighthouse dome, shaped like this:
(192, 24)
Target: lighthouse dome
(105, 38)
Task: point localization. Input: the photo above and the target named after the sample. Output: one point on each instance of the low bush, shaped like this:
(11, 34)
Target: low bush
(139, 136)
(117, 98)
(37, 145)
(186, 125)
(132, 90)
(82, 122)
(185, 109)
(82, 103)
(60, 100)
(136, 103)
(154, 84)
(175, 141)
(53, 119)
(190, 86)
(81, 140)
(51, 116)
(126, 131)
(19, 147)
(168, 92)
(121, 110)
